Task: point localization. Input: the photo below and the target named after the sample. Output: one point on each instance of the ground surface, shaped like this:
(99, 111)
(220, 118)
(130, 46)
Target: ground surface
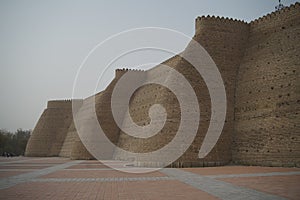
(60, 178)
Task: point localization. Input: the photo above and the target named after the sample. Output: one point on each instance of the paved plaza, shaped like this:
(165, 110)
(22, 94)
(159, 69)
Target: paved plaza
(62, 178)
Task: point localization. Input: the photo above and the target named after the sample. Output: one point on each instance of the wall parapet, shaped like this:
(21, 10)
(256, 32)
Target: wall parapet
(220, 19)
(62, 103)
(204, 22)
(274, 14)
(127, 69)
(120, 72)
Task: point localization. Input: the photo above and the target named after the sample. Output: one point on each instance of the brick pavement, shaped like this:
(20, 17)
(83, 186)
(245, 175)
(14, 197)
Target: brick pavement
(60, 178)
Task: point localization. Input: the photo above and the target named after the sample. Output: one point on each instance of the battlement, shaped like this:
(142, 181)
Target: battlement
(126, 69)
(210, 20)
(120, 72)
(220, 19)
(203, 22)
(64, 103)
(270, 16)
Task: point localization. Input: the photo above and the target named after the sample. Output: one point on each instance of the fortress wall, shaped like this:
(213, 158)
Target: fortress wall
(51, 129)
(66, 148)
(190, 157)
(225, 41)
(72, 146)
(142, 99)
(259, 64)
(267, 97)
(86, 118)
(62, 132)
(120, 72)
(59, 104)
(104, 112)
(78, 149)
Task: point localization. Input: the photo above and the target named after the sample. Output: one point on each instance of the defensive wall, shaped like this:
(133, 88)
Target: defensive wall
(259, 64)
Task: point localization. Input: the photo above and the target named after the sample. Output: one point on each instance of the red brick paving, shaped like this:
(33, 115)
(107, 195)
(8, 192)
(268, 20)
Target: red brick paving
(147, 190)
(48, 160)
(23, 167)
(86, 166)
(238, 170)
(285, 186)
(91, 162)
(4, 174)
(98, 174)
(53, 160)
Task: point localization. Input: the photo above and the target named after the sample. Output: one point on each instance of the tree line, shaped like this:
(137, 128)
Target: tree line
(13, 144)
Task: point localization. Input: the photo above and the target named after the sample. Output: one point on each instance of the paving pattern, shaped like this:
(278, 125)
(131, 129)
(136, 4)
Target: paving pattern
(24, 177)
(61, 178)
(217, 188)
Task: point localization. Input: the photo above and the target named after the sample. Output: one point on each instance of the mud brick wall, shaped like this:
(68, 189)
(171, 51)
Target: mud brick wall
(225, 41)
(51, 129)
(267, 130)
(140, 102)
(259, 63)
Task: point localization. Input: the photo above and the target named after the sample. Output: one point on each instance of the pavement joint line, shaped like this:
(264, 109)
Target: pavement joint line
(107, 179)
(16, 170)
(106, 169)
(16, 161)
(27, 165)
(13, 180)
(217, 188)
(254, 174)
(210, 176)
(101, 164)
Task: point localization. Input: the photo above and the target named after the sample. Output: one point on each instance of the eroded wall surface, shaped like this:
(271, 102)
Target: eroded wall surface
(267, 105)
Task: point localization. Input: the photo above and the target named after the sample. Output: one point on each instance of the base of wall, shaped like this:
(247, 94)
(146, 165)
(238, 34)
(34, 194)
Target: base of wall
(266, 164)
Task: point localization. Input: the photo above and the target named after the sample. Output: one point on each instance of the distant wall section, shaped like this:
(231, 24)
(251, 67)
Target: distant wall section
(49, 133)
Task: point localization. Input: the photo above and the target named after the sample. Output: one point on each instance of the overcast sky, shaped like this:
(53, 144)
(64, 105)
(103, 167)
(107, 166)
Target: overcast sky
(43, 43)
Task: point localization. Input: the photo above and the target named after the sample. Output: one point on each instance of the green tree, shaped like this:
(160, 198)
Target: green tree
(14, 143)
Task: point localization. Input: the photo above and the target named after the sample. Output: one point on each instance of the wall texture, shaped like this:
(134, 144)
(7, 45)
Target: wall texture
(49, 134)
(259, 64)
(267, 105)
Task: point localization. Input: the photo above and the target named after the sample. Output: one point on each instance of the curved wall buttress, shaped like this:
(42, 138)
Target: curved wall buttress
(86, 118)
(49, 133)
(225, 40)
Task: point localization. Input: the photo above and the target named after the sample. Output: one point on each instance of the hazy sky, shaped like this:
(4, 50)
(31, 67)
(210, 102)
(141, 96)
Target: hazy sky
(44, 42)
